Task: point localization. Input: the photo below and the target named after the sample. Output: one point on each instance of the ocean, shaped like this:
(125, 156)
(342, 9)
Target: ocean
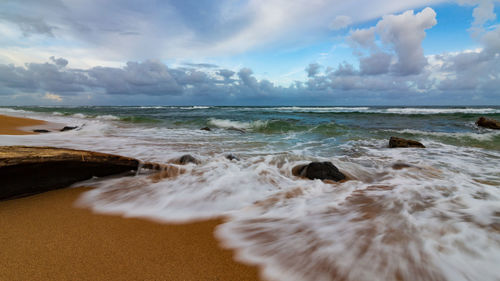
(438, 219)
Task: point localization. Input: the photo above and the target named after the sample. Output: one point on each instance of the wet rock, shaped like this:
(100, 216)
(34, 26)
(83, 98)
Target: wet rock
(26, 170)
(206, 129)
(400, 142)
(488, 123)
(298, 170)
(186, 159)
(167, 172)
(232, 157)
(400, 166)
(68, 128)
(318, 170)
(41, 131)
(236, 129)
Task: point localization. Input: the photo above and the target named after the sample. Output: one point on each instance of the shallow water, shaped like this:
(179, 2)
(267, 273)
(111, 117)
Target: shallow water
(436, 220)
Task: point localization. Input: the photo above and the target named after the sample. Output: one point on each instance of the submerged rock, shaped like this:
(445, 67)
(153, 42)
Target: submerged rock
(26, 170)
(400, 142)
(68, 128)
(400, 166)
(186, 159)
(232, 157)
(41, 131)
(318, 170)
(488, 123)
(206, 129)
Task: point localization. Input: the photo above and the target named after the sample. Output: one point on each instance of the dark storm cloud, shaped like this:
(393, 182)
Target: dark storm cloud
(344, 84)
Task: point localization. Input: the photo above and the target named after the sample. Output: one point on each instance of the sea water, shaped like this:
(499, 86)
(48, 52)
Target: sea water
(438, 219)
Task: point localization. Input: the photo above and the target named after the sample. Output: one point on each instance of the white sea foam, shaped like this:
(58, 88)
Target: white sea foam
(435, 220)
(394, 110)
(441, 110)
(225, 123)
(107, 117)
(320, 109)
(482, 135)
(194, 107)
(7, 110)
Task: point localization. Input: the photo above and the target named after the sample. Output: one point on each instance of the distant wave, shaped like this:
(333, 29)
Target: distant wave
(416, 110)
(389, 110)
(194, 107)
(225, 123)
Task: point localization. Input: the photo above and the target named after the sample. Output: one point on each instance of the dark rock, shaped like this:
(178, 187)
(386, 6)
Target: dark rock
(298, 170)
(400, 166)
(28, 170)
(41, 131)
(488, 123)
(318, 170)
(232, 157)
(236, 129)
(185, 159)
(399, 142)
(206, 129)
(68, 128)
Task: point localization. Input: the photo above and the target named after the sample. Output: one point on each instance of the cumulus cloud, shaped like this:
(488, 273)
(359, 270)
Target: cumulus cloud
(402, 34)
(376, 63)
(59, 62)
(340, 22)
(483, 12)
(147, 81)
(392, 68)
(363, 38)
(312, 69)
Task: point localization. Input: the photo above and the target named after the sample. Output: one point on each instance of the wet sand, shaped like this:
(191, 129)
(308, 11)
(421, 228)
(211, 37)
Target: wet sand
(45, 237)
(10, 125)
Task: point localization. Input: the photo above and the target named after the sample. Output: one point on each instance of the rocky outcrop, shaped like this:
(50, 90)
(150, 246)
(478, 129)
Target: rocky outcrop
(400, 142)
(186, 159)
(41, 131)
(488, 123)
(318, 170)
(206, 129)
(28, 170)
(68, 128)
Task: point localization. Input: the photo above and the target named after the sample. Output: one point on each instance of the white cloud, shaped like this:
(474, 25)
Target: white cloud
(52, 97)
(340, 22)
(402, 34)
(127, 30)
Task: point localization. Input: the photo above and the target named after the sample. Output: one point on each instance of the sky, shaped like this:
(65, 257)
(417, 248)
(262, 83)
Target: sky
(249, 52)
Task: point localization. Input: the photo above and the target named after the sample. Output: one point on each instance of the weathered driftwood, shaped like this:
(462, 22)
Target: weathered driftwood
(28, 170)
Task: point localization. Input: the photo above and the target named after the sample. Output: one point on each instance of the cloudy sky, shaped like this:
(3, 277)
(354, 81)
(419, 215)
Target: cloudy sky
(249, 52)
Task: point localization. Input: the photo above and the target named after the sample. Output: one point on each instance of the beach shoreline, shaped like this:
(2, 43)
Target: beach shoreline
(47, 237)
(12, 125)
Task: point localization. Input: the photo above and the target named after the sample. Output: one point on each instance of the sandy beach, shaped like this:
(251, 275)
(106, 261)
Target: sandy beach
(45, 237)
(10, 125)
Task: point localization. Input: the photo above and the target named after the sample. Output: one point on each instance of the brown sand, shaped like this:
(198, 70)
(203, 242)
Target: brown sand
(10, 125)
(44, 237)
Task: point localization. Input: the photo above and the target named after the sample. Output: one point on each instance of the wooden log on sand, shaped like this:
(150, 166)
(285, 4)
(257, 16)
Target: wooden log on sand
(26, 170)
